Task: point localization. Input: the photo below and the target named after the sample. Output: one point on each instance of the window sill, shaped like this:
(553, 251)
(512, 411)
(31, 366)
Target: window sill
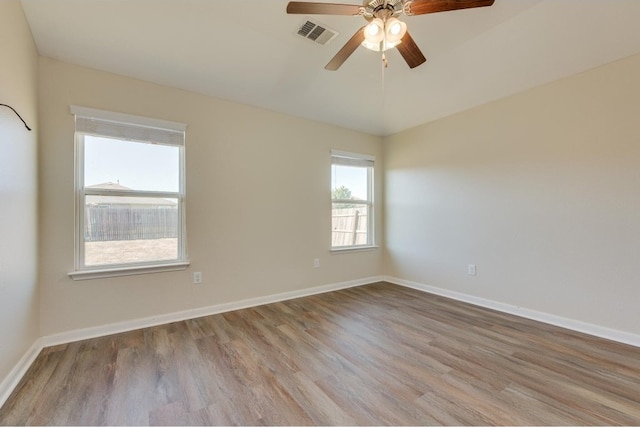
(127, 271)
(347, 249)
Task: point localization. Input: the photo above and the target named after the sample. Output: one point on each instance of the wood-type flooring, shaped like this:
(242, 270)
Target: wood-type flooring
(373, 355)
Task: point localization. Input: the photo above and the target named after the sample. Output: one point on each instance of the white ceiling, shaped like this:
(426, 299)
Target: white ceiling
(247, 51)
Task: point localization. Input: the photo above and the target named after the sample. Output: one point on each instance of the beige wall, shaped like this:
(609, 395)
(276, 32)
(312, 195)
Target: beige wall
(540, 190)
(18, 147)
(258, 202)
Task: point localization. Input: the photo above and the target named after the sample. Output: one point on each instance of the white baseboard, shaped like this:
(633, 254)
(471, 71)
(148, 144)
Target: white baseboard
(11, 381)
(130, 325)
(552, 319)
(13, 378)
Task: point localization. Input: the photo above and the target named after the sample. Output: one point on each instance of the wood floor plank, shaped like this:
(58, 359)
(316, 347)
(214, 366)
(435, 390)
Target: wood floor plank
(135, 377)
(320, 407)
(231, 396)
(18, 410)
(372, 355)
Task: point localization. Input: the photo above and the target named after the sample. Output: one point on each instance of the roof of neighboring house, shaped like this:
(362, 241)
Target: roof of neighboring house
(119, 200)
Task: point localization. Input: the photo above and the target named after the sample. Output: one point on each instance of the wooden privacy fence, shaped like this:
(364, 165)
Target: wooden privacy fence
(104, 223)
(107, 223)
(349, 226)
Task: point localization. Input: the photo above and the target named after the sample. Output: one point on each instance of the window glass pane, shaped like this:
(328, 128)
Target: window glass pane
(349, 224)
(118, 164)
(349, 182)
(121, 230)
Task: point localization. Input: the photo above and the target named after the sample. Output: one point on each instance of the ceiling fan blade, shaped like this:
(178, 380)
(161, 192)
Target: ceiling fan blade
(310, 8)
(346, 50)
(421, 7)
(410, 51)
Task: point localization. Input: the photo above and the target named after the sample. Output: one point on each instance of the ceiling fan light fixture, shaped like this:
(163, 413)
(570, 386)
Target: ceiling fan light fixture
(394, 31)
(371, 46)
(374, 34)
(374, 31)
(382, 35)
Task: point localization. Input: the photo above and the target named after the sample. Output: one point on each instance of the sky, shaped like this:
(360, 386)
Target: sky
(354, 178)
(154, 167)
(136, 165)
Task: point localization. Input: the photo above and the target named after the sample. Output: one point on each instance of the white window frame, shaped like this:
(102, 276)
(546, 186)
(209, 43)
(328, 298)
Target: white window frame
(93, 122)
(344, 158)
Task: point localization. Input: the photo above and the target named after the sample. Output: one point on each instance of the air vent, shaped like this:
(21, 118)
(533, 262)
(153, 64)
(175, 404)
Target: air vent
(316, 32)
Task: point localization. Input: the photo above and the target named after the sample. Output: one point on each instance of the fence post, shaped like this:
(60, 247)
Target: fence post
(356, 219)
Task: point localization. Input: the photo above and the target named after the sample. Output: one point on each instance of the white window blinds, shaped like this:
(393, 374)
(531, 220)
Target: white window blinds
(351, 159)
(94, 122)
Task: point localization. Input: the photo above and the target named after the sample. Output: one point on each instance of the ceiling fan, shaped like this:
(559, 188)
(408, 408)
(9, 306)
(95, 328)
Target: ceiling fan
(384, 30)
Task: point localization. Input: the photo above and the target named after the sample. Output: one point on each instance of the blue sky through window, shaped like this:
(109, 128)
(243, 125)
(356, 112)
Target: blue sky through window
(136, 165)
(352, 177)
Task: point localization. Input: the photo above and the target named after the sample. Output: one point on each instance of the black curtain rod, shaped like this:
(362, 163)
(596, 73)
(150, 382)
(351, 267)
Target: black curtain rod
(20, 117)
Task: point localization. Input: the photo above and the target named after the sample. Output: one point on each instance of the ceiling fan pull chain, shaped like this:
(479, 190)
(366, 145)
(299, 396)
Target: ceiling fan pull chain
(383, 64)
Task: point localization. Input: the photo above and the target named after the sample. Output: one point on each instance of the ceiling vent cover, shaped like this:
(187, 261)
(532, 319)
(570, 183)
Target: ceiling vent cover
(316, 32)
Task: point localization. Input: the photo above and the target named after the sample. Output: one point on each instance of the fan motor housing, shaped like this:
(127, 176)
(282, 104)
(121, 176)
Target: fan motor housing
(373, 7)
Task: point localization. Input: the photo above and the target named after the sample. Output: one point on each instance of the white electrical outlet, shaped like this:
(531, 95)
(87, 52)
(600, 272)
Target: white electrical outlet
(197, 277)
(316, 263)
(471, 269)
